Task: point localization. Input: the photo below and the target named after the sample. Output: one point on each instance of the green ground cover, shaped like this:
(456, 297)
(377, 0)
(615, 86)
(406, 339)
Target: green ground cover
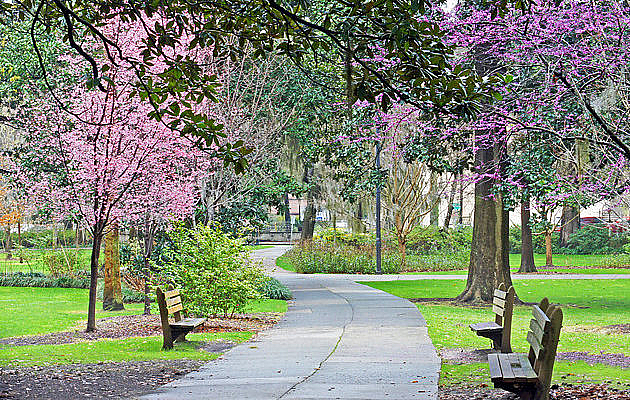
(591, 260)
(588, 306)
(31, 311)
(284, 263)
(577, 260)
(131, 349)
(259, 246)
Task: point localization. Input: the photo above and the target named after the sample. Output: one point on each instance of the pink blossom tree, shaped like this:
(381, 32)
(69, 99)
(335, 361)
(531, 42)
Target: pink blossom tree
(105, 159)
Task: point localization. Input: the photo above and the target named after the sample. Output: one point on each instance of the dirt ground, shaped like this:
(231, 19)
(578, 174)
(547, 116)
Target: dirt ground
(119, 380)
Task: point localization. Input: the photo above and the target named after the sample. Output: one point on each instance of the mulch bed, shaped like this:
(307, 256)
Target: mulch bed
(558, 392)
(125, 326)
(467, 356)
(119, 380)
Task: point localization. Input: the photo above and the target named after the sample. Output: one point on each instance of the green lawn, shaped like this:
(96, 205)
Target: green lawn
(31, 311)
(587, 305)
(131, 349)
(259, 246)
(284, 263)
(567, 260)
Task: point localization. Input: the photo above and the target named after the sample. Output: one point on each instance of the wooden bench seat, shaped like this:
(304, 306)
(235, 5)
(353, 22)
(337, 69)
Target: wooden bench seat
(529, 375)
(499, 331)
(170, 302)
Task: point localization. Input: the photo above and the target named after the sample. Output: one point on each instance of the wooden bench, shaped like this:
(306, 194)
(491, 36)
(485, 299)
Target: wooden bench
(529, 375)
(170, 302)
(500, 330)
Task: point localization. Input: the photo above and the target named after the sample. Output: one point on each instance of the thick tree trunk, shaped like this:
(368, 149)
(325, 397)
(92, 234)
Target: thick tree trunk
(449, 210)
(308, 226)
(548, 252)
(489, 257)
(112, 290)
(96, 248)
(570, 223)
(527, 246)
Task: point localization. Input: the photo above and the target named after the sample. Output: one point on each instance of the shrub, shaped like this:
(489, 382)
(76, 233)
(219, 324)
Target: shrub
(36, 279)
(593, 239)
(212, 269)
(271, 288)
(433, 240)
(332, 235)
(319, 256)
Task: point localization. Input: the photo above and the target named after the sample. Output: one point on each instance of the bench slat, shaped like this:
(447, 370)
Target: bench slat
(500, 294)
(173, 300)
(528, 372)
(175, 308)
(194, 322)
(533, 341)
(536, 329)
(485, 326)
(506, 368)
(497, 310)
(495, 367)
(498, 302)
(540, 316)
(171, 293)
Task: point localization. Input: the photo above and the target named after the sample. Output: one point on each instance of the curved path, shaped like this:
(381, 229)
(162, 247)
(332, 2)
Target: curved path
(338, 340)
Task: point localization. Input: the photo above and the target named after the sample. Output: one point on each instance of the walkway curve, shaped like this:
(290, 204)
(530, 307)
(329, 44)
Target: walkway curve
(338, 340)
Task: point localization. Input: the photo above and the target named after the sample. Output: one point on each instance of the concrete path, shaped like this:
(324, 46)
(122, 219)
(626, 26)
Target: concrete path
(339, 340)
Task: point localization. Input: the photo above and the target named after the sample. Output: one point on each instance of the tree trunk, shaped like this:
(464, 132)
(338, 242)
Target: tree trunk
(569, 224)
(435, 202)
(460, 220)
(449, 210)
(149, 235)
(308, 225)
(402, 251)
(527, 246)
(19, 227)
(112, 291)
(548, 251)
(357, 220)
(489, 256)
(96, 249)
(8, 244)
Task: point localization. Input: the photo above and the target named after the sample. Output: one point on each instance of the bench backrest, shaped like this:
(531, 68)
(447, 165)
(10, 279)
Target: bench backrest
(170, 302)
(543, 337)
(503, 306)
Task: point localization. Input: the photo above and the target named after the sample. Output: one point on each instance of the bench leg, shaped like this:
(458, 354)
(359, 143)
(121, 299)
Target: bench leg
(180, 334)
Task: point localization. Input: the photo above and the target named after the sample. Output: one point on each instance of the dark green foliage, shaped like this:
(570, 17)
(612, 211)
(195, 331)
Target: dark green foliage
(588, 240)
(595, 240)
(44, 238)
(433, 240)
(271, 288)
(334, 258)
(36, 279)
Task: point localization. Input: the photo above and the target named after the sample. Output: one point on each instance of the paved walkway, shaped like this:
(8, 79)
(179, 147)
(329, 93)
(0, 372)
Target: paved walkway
(339, 340)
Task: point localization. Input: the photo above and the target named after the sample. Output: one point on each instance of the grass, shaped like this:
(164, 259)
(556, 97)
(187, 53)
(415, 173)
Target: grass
(32, 311)
(580, 260)
(587, 305)
(131, 349)
(259, 246)
(285, 263)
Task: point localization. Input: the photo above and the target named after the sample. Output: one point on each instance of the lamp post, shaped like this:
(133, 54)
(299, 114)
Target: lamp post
(378, 210)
